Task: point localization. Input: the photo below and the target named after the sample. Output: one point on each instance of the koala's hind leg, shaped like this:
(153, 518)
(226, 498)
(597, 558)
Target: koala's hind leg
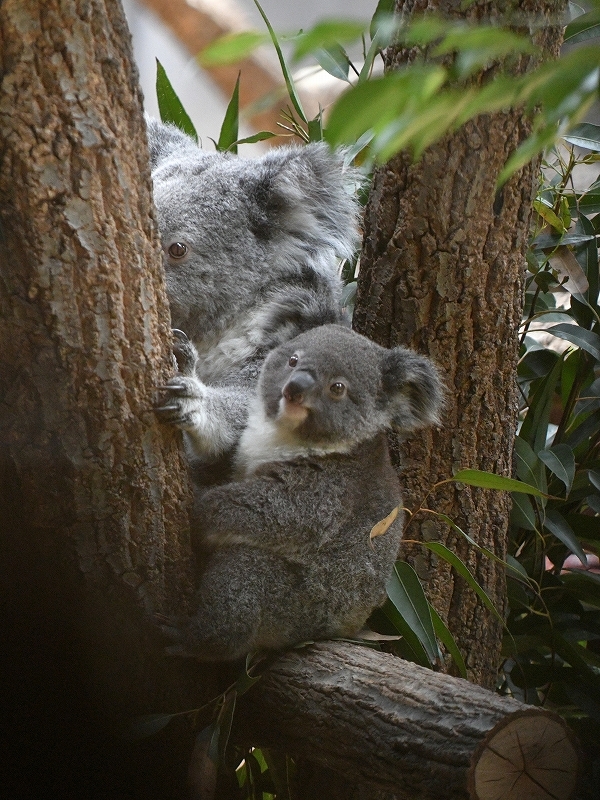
(230, 604)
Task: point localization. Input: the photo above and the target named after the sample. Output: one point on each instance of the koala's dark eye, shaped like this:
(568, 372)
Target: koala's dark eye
(293, 361)
(177, 250)
(337, 389)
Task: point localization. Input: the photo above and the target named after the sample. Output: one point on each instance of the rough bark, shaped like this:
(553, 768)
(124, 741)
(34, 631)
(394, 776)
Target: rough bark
(383, 722)
(93, 505)
(442, 271)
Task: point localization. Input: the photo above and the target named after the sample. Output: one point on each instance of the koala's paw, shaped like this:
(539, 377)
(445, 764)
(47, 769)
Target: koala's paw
(185, 353)
(180, 402)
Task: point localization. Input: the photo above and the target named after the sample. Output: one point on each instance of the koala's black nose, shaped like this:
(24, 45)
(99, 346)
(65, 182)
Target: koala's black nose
(298, 385)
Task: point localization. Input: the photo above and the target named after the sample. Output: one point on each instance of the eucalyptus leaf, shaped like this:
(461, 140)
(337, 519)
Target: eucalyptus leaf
(443, 552)
(586, 340)
(231, 49)
(585, 135)
(443, 634)
(584, 27)
(289, 81)
(326, 34)
(170, 106)
(334, 61)
(488, 480)
(560, 461)
(559, 527)
(229, 129)
(406, 593)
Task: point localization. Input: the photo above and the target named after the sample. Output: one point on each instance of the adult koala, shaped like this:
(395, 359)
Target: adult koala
(250, 251)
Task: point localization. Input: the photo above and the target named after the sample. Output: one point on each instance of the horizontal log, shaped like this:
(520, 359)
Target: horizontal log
(390, 724)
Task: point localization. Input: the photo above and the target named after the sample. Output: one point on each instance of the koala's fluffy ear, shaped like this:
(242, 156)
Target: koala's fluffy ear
(412, 391)
(306, 193)
(165, 141)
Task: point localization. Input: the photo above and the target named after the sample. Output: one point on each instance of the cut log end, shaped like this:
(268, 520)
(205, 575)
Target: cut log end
(531, 754)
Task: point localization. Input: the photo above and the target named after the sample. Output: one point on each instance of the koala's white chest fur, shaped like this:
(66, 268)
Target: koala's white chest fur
(266, 440)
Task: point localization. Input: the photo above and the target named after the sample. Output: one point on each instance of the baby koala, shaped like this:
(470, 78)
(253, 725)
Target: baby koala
(291, 555)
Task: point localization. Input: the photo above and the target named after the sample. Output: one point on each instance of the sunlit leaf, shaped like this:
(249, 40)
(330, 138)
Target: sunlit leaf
(549, 215)
(488, 480)
(229, 129)
(256, 137)
(289, 81)
(231, 48)
(378, 102)
(383, 12)
(326, 34)
(170, 106)
(334, 61)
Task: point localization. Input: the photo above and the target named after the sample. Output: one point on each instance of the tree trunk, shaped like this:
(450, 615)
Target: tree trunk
(94, 492)
(383, 722)
(442, 271)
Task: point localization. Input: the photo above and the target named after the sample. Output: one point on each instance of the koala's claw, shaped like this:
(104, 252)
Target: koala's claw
(184, 352)
(176, 387)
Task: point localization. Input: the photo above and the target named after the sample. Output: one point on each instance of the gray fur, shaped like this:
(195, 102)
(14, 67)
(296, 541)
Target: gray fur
(262, 239)
(290, 553)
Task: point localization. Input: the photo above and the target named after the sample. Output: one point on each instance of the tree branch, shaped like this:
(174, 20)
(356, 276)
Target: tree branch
(380, 721)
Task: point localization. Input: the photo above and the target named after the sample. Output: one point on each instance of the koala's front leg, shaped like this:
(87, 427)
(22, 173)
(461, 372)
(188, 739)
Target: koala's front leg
(211, 416)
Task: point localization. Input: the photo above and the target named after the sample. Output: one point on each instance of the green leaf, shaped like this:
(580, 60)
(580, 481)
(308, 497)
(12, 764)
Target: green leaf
(586, 340)
(559, 527)
(383, 12)
(477, 47)
(289, 82)
(376, 103)
(406, 593)
(522, 514)
(585, 135)
(256, 137)
(327, 33)
(231, 48)
(549, 215)
(587, 256)
(446, 638)
(487, 480)
(443, 552)
(229, 129)
(480, 548)
(586, 26)
(560, 461)
(529, 467)
(535, 425)
(170, 106)
(334, 61)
